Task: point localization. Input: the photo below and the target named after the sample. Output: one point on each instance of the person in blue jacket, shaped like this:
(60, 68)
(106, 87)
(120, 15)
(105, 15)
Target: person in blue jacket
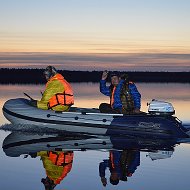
(124, 96)
(122, 164)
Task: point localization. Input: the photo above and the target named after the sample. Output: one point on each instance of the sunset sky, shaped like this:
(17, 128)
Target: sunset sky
(151, 35)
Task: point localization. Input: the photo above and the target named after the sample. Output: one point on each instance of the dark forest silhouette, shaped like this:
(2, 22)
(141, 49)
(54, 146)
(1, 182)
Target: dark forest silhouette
(35, 76)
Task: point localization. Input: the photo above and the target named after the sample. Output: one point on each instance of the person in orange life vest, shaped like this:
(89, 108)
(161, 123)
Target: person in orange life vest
(57, 165)
(58, 94)
(122, 164)
(124, 96)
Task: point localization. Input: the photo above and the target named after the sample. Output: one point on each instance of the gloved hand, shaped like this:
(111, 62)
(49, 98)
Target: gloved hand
(33, 103)
(33, 154)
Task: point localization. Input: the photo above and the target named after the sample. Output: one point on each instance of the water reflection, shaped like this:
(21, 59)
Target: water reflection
(20, 143)
(161, 154)
(57, 153)
(121, 164)
(57, 165)
(148, 175)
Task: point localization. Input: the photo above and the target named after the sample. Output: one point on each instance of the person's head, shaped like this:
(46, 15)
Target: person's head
(114, 178)
(115, 78)
(48, 183)
(49, 72)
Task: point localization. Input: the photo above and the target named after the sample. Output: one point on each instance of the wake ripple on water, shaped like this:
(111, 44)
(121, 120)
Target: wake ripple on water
(187, 126)
(30, 129)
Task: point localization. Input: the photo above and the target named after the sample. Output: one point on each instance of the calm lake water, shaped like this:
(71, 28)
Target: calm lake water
(146, 170)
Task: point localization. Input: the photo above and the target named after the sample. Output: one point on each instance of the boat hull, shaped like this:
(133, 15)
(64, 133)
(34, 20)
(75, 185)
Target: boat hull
(18, 143)
(81, 120)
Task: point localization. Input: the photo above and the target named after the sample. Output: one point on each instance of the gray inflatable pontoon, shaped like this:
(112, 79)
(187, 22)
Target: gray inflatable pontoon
(18, 143)
(156, 123)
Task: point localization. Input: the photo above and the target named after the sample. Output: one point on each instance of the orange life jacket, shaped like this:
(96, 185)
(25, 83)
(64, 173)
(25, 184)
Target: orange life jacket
(65, 98)
(111, 159)
(66, 170)
(64, 159)
(61, 158)
(112, 97)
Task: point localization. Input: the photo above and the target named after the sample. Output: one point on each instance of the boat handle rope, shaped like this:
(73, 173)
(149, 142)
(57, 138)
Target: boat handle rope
(76, 144)
(178, 120)
(77, 118)
(28, 96)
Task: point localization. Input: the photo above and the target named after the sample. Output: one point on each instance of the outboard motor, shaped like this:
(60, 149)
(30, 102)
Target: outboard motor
(160, 154)
(157, 107)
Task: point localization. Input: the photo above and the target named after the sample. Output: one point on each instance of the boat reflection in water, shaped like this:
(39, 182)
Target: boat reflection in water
(57, 153)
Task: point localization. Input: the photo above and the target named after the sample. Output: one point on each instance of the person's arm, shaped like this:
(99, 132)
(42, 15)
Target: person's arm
(53, 88)
(102, 168)
(135, 162)
(42, 153)
(103, 88)
(136, 96)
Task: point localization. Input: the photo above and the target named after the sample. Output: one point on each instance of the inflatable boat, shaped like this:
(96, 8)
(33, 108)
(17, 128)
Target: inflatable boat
(19, 143)
(158, 122)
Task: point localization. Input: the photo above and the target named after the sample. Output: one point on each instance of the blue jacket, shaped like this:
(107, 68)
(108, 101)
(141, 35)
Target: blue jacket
(116, 159)
(107, 164)
(117, 101)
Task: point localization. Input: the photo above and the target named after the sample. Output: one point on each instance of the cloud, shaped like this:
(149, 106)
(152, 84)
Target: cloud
(101, 61)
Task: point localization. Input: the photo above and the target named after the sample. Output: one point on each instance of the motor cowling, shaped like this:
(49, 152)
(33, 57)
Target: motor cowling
(158, 107)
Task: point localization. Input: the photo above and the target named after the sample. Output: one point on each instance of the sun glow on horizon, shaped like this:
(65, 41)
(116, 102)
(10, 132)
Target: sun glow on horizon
(97, 27)
(55, 43)
(98, 61)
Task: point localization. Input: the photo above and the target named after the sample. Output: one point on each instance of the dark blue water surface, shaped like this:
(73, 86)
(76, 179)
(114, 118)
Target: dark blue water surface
(28, 157)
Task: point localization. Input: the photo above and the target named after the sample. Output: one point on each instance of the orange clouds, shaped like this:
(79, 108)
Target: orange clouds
(90, 43)
(98, 61)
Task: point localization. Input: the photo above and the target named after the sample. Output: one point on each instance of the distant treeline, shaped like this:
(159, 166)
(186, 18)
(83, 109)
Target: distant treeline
(35, 76)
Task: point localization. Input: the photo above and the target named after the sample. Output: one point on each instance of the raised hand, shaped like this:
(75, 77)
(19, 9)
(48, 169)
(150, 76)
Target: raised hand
(104, 75)
(104, 181)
